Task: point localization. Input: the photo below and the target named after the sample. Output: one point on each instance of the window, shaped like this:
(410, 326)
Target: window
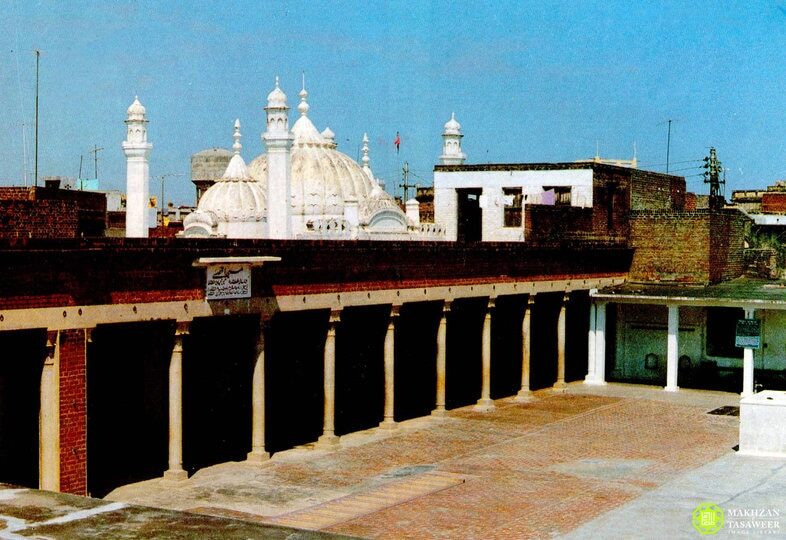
(721, 328)
(561, 195)
(512, 211)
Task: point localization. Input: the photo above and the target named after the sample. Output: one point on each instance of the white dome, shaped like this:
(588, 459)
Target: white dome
(277, 98)
(136, 111)
(236, 197)
(452, 127)
(323, 178)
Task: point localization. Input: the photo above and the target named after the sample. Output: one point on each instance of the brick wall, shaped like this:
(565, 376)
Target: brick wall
(773, 202)
(51, 213)
(690, 247)
(73, 413)
(655, 191)
(727, 245)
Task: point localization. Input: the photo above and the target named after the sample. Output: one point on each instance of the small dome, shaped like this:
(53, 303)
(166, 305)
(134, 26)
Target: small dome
(452, 127)
(330, 138)
(277, 99)
(233, 201)
(136, 110)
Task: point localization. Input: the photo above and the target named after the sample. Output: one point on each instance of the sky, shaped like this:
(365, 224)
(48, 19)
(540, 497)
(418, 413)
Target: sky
(530, 81)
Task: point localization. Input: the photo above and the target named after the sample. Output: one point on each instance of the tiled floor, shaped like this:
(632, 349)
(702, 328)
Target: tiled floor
(529, 470)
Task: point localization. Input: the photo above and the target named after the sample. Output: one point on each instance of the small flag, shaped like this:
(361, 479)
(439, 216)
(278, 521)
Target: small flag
(397, 142)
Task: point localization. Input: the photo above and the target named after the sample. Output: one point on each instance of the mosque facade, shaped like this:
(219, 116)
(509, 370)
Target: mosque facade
(303, 188)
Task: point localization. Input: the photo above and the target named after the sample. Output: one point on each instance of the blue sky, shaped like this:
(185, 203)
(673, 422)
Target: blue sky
(529, 81)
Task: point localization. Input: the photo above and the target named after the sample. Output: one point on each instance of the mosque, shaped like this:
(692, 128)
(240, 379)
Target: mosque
(330, 195)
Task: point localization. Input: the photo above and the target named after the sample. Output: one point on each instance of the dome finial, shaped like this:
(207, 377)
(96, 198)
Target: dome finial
(365, 158)
(237, 146)
(303, 106)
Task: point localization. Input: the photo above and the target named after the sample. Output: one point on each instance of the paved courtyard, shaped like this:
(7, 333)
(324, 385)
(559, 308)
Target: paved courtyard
(558, 465)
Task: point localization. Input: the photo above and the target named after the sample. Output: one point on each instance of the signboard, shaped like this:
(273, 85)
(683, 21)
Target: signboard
(225, 281)
(748, 335)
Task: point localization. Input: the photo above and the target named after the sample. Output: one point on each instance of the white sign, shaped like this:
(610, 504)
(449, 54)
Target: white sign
(228, 281)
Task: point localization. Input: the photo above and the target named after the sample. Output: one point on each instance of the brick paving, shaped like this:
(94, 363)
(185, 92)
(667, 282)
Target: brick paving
(530, 470)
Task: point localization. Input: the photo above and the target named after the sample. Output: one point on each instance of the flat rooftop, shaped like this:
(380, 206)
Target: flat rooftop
(591, 462)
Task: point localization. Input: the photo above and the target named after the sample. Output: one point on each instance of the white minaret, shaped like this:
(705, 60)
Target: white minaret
(278, 142)
(451, 143)
(137, 151)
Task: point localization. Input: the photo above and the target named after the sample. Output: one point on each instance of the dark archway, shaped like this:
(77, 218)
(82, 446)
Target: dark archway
(576, 336)
(463, 358)
(218, 364)
(127, 403)
(416, 360)
(360, 369)
(294, 367)
(22, 355)
(543, 359)
(506, 346)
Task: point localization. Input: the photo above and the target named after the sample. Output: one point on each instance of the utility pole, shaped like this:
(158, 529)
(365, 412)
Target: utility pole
(406, 185)
(96, 149)
(712, 170)
(668, 147)
(81, 158)
(37, 61)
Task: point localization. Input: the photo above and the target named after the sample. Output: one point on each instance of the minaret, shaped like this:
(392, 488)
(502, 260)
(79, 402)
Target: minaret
(278, 142)
(137, 151)
(451, 145)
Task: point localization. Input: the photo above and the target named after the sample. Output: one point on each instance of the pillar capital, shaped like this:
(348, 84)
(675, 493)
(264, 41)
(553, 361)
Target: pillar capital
(492, 303)
(446, 306)
(182, 328)
(395, 311)
(335, 317)
(531, 300)
(565, 297)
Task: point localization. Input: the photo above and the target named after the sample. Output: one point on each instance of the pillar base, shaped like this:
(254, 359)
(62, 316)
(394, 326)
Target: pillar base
(671, 388)
(594, 382)
(328, 441)
(257, 456)
(560, 385)
(439, 413)
(172, 475)
(746, 394)
(485, 405)
(388, 423)
(524, 396)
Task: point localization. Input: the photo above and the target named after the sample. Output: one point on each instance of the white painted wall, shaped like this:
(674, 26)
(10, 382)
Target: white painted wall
(492, 200)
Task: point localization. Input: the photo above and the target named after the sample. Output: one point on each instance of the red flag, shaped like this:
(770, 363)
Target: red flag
(397, 142)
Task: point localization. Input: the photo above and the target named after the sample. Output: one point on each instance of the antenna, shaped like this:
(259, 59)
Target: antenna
(406, 185)
(668, 140)
(713, 168)
(96, 149)
(37, 61)
(81, 157)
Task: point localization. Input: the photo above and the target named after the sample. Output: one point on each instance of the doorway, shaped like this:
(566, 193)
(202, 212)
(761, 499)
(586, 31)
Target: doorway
(469, 215)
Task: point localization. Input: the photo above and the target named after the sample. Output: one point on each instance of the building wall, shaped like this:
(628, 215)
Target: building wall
(492, 180)
(642, 330)
(656, 191)
(51, 213)
(773, 202)
(689, 247)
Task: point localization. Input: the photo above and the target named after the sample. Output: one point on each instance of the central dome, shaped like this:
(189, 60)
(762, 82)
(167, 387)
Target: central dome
(323, 178)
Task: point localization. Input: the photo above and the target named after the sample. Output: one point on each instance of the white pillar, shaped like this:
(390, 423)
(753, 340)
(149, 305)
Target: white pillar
(49, 423)
(672, 348)
(526, 351)
(600, 344)
(258, 453)
(278, 143)
(560, 382)
(442, 331)
(747, 365)
(589, 379)
(485, 403)
(329, 438)
(390, 352)
(175, 471)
